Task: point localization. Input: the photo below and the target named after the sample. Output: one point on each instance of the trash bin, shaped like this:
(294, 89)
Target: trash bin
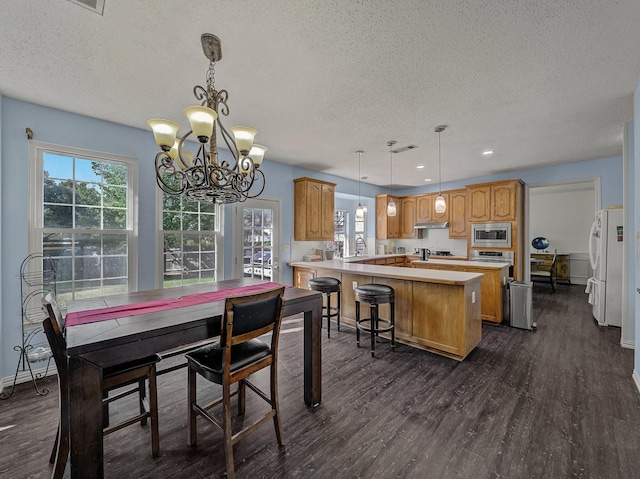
(521, 309)
(506, 301)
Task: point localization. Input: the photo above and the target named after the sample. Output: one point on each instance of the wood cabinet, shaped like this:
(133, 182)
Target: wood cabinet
(492, 283)
(301, 277)
(313, 218)
(441, 315)
(496, 201)
(408, 217)
(387, 227)
(425, 208)
(458, 214)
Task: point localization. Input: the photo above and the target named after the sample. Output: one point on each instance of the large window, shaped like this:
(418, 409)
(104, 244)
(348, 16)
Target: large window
(82, 216)
(189, 236)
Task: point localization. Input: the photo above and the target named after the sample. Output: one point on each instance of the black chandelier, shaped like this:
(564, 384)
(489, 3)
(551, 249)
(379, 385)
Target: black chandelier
(203, 177)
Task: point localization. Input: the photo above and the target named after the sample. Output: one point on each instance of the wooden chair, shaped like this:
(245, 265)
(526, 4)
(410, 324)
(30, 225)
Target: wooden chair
(548, 274)
(136, 372)
(233, 359)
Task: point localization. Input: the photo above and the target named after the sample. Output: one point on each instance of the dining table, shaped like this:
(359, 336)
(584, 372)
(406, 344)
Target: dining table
(131, 329)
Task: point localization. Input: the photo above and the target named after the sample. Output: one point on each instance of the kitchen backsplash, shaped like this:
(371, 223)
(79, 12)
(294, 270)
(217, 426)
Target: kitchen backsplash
(435, 239)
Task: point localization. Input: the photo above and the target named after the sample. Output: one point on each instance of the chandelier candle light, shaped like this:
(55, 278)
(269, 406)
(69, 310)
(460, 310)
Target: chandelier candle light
(360, 210)
(391, 206)
(440, 204)
(203, 177)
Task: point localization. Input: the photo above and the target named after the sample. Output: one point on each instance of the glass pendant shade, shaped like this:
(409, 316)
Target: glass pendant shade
(364, 209)
(391, 208)
(440, 205)
(243, 136)
(201, 120)
(257, 153)
(360, 212)
(164, 132)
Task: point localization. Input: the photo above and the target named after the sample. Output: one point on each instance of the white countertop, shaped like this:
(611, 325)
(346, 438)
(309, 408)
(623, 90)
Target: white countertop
(395, 272)
(477, 264)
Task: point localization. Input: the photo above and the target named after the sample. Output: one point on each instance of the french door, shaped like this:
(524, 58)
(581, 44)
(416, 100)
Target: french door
(257, 226)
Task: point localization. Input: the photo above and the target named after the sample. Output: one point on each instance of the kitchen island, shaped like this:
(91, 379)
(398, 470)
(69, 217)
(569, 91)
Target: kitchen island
(493, 282)
(436, 310)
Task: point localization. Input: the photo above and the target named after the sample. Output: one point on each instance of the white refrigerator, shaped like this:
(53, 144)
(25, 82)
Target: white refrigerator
(605, 254)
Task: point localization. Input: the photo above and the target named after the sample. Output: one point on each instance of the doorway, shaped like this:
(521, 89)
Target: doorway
(562, 213)
(257, 223)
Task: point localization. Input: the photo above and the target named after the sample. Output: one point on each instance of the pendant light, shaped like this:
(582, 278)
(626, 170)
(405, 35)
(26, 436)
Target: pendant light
(440, 204)
(391, 206)
(360, 210)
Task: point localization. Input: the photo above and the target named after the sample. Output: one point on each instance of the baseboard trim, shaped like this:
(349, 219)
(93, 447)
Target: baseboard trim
(636, 379)
(25, 377)
(625, 343)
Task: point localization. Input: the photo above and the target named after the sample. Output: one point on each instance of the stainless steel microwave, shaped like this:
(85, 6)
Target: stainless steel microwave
(492, 235)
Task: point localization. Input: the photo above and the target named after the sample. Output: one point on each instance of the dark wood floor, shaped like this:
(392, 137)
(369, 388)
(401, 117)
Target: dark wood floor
(559, 402)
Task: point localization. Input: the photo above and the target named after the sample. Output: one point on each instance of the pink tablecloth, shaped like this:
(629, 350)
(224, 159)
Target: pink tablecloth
(102, 314)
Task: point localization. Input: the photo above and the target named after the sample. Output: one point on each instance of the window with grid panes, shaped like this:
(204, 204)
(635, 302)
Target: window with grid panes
(189, 235)
(83, 218)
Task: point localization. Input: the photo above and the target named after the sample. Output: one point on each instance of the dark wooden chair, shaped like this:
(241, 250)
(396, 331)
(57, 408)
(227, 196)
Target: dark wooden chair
(136, 372)
(237, 355)
(547, 275)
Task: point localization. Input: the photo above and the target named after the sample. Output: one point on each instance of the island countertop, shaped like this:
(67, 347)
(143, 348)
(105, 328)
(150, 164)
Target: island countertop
(477, 264)
(408, 274)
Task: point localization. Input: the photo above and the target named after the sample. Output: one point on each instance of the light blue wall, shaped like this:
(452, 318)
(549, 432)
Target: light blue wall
(54, 126)
(610, 171)
(635, 265)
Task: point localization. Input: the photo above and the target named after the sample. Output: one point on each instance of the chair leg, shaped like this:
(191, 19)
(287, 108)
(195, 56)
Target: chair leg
(52, 458)
(393, 325)
(339, 310)
(275, 405)
(153, 405)
(242, 397)
(191, 400)
(228, 433)
(328, 315)
(553, 286)
(358, 323)
(142, 394)
(374, 326)
(62, 452)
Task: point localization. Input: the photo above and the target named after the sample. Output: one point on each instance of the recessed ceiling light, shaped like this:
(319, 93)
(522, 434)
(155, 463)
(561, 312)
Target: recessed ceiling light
(427, 179)
(487, 152)
(419, 167)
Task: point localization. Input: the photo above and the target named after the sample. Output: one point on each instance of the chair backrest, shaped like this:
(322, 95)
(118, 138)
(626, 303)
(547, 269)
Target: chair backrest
(248, 316)
(552, 268)
(57, 343)
(50, 304)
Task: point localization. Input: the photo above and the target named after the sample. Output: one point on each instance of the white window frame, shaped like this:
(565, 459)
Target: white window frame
(37, 149)
(218, 232)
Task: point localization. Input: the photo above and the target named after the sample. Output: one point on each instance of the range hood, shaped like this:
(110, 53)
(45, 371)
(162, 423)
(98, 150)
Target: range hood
(432, 225)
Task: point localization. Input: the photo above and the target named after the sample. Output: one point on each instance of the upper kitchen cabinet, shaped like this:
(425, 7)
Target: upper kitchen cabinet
(458, 214)
(425, 208)
(496, 201)
(387, 227)
(313, 217)
(408, 217)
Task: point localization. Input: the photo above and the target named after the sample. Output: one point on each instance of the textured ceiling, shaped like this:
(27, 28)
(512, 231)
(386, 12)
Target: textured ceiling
(540, 82)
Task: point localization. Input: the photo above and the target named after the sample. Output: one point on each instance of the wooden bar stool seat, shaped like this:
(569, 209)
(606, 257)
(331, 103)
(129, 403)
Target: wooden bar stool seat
(374, 295)
(327, 286)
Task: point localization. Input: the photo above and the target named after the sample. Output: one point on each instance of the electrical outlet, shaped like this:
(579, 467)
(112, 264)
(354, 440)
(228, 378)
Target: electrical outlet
(355, 284)
(473, 296)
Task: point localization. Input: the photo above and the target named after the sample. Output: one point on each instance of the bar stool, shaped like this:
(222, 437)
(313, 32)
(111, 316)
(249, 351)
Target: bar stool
(328, 286)
(374, 295)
